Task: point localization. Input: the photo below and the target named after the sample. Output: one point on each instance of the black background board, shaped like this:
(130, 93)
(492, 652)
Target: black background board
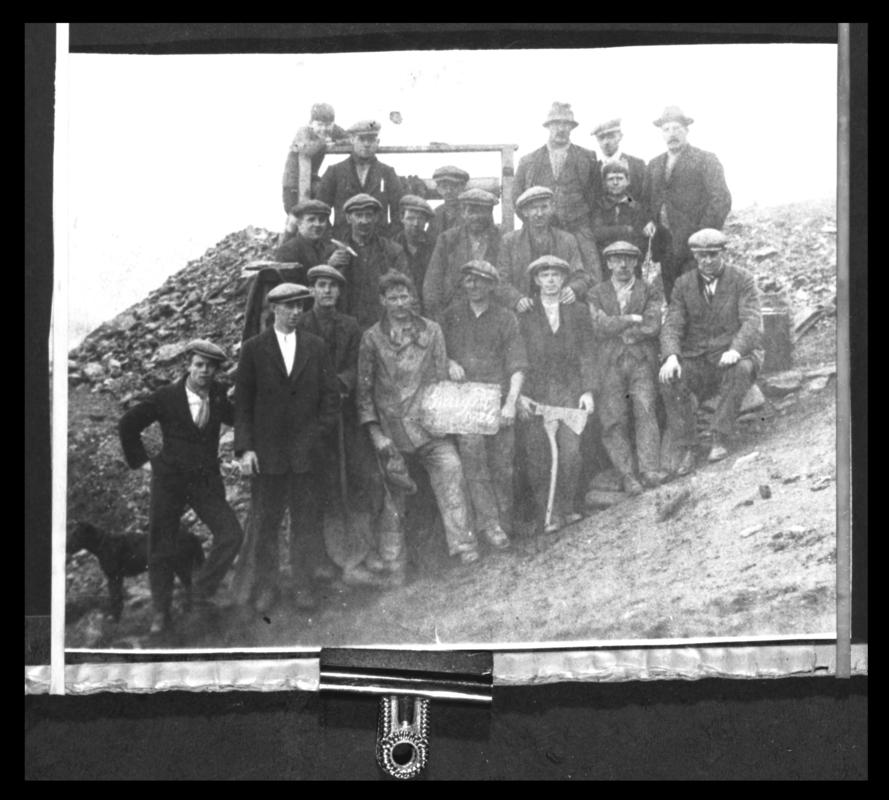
(787, 728)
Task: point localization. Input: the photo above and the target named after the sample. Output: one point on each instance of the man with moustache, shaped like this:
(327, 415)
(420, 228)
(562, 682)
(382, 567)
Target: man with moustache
(450, 183)
(685, 191)
(609, 136)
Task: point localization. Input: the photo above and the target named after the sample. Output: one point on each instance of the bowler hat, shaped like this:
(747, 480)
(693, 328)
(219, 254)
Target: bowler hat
(451, 173)
(285, 292)
(323, 112)
(360, 201)
(560, 112)
(201, 347)
(622, 248)
(548, 262)
(531, 194)
(481, 268)
(673, 114)
(417, 203)
(311, 207)
(325, 271)
(477, 197)
(707, 239)
(364, 126)
(607, 127)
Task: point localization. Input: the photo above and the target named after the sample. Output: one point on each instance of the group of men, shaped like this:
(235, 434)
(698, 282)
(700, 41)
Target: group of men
(364, 314)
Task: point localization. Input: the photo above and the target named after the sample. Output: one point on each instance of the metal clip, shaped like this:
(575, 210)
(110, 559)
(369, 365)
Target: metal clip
(402, 744)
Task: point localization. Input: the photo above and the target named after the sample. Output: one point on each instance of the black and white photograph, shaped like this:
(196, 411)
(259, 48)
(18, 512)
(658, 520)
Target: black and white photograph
(451, 348)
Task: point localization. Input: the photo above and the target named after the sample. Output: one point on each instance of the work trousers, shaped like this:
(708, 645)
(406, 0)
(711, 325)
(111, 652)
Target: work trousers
(673, 258)
(487, 467)
(702, 378)
(539, 465)
(441, 461)
(171, 493)
(630, 380)
(270, 495)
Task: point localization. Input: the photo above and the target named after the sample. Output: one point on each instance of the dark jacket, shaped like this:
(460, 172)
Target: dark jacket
(516, 254)
(303, 251)
(616, 337)
(281, 417)
(561, 365)
(446, 217)
(186, 449)
(361, 295)
(732, 320)
(619, 222)
(636, 167)
(417, 263)
(340, 182)
(443, 277)
(342, 346)
(695, 196)
(575, 191)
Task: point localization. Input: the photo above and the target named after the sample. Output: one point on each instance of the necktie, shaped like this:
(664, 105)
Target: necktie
(203, 414)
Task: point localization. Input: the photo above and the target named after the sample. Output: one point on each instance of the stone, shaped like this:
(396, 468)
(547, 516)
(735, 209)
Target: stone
(669, 502)
(819, 383)
(125, 322)
(765, 491)
(114, 368)
(596, 498)
(750, 531)
(168, 353)
(753, 400)
(743, 461)
(93, 371)
(781, 383)
(764, 252)
(820, 372)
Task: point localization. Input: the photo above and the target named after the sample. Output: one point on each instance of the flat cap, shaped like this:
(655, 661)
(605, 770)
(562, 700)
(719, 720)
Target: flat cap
(451, 173)
(673, 114)
(364, 126)
(482, 268)
(477, 197)
(533, 193)
(201, 347)
(560, 112)
(622, 248)
(607, 127)
(325, 271)
(360, 201)
(417, 203)
(323, 112)
(311, 207)
(548, 262)
(285, 292)
(615, 166)
(707, 239)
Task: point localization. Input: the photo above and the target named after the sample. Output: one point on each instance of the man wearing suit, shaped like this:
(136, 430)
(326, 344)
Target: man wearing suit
(476, 239)
(572, 173)
(684, 191)
(538, 237)
(609, 135)
(362, 173)
(286, 399)
(711, 343)
(626, 316)
(186, 472)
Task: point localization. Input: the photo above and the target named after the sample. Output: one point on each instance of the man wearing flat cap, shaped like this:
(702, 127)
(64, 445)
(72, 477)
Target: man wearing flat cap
(362, 173)
(572, 172)
(685, 191)
(371, 256)
(477, 238)
(609, 136)
(484, 345)
(626, 314)
(538, 237)
(711, 345)
(450, 183)
(313, 141)
(414, 238)
(286, 398)
(185, 473)
(619, 216)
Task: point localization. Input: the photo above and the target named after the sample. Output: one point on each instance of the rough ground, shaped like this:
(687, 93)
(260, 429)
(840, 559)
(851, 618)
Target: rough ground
(728, 563)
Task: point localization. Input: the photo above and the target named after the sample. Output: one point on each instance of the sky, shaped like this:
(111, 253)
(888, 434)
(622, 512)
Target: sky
(169, 154)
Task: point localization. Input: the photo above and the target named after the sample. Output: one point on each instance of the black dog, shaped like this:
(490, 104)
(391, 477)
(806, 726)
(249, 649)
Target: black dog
(125, 555)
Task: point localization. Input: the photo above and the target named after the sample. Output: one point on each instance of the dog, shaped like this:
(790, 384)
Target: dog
(125, 555)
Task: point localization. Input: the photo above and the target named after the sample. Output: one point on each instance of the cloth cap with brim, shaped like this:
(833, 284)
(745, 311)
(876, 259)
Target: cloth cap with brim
(673, 114)
(285, 292)
(548, 262)
(365, 126)
(323, 112)
(311, 207)
(416, 203)
(622, 249)
(607, 127)
(615, 166)
(482, 269)
(560, 112)
(325, 271)
(450, 173)
(201, 347)
(707, 239)
(531, 194)
(477, 197)
(361, 201)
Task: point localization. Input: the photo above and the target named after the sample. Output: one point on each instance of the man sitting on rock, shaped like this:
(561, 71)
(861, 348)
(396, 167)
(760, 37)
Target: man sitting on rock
(711, 344)
(399, 356)
(626, 322)
(185, 473)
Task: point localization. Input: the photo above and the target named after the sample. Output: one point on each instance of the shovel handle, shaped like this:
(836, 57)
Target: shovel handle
(550, 427)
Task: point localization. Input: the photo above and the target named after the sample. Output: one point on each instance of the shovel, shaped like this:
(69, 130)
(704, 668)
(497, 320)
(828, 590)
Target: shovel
(551, 426)
(347, 532)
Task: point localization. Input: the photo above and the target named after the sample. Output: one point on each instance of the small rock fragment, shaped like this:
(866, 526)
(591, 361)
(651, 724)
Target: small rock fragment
(765, 491)
(782, 383)
(669, 503)
(744, 460)
(750, 531)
